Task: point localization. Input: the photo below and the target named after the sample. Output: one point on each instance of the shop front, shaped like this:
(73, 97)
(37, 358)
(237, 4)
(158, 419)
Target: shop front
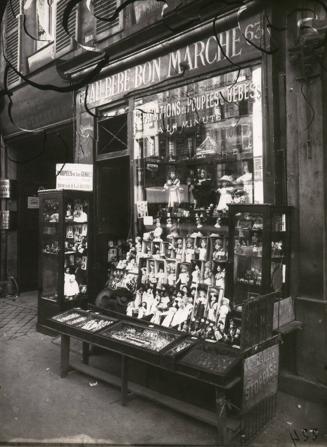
(190, 252)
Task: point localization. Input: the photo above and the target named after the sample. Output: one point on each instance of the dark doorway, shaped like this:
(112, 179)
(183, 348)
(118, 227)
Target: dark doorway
(36, 157)
(112, 210)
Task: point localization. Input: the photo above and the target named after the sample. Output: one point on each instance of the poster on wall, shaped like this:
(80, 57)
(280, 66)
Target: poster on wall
(74, 176)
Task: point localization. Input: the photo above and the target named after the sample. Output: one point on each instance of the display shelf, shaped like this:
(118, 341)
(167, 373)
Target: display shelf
(63, 266)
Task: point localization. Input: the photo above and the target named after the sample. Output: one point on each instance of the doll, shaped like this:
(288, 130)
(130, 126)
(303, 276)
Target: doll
(245, 181)
(69, 212)
(189, 250)
(207, 275)
(172, 185)
(161, 278)
(181, 315)
(212, 310)
(202, 250)
(219, 332)
(79, 214)
(224, 310)
(202, 190)
(219, 253)
(144, 275)
(201, 304)
(225, 191)
(220, 278)
(184, 276)
(138, 297)
(171, 274)
(170, 315)
(196, 275)
(157, 232)
(179, 250)
(131, 309)
(142, 311)
(71, 288)
(152, 276)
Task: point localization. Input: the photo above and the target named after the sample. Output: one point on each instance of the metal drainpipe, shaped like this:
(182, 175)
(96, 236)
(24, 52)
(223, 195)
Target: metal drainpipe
(224, 22)
(3, 207)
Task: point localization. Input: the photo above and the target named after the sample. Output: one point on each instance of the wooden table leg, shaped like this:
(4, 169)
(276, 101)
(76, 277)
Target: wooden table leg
(85, 352)
(64, 355)
(221, 416)
(124, 380)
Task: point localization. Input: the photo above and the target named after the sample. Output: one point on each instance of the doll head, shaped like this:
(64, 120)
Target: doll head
(203, 243)
(172, 175)
(218, 244)
(179, 243)
(189, 243)
(183, 268)
(202, 294)
(213, 296)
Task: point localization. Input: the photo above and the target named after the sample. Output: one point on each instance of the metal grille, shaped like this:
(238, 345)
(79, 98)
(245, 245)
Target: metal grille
(63, 41)
(105, 8)
(254, 420)
(12, 39)
(257, 320)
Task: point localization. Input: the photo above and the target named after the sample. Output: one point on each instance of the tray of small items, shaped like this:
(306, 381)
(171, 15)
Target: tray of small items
(210, 358)
(84, 320)
(148, 338)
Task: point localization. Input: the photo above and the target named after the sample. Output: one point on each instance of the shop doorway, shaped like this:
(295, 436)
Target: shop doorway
(36, 157)
(113, 211)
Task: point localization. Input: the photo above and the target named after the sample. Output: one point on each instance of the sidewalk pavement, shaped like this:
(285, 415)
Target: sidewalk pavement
(36, 405)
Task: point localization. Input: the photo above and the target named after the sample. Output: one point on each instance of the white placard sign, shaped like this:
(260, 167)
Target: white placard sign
(76, 176)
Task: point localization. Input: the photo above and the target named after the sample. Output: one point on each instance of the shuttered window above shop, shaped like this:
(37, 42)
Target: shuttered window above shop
(106, 9)
(12, 39)
(64, 42)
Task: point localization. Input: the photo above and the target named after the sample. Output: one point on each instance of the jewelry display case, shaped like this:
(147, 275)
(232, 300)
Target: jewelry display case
(64, 255)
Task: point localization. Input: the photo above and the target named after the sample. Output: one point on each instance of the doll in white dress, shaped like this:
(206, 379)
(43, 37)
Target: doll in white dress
(225, 190)
(172, 185)
(196, 275)
(189, 250)
(202, 250)
(71, 287)
(184, 276)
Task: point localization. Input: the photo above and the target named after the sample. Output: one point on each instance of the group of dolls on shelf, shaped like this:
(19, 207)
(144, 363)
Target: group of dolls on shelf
(202, 191)
(75, 276)
(178, 281)
(76, 212)
(200, 311)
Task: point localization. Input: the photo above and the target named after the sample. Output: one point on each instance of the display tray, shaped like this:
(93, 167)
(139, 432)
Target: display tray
(145, 337)
(211, 358)
(181, 347)
(84, 320)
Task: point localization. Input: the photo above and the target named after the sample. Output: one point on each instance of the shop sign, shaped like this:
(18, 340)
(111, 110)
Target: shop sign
(33, 202)
(260, 376)
(4, 220)
(198, 56)
(5, 189)
(75, 176)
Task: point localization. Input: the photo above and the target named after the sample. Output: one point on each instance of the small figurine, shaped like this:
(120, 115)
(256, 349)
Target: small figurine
(246, 181)
(172, 185)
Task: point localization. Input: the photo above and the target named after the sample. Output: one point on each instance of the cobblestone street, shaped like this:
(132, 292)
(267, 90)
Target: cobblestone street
(17, 316)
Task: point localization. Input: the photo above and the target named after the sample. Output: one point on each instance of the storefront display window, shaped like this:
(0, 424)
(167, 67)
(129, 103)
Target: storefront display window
(200, 146)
